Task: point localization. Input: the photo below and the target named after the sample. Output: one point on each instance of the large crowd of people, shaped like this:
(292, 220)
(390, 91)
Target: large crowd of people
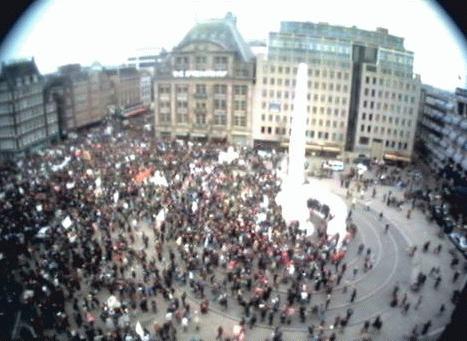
(105, 228)
(110, 229)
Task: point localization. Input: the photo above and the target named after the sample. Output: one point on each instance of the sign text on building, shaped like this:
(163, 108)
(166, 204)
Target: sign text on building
(199, 74)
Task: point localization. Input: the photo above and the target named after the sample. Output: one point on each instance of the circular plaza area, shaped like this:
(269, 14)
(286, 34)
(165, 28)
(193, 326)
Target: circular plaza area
(136, 238)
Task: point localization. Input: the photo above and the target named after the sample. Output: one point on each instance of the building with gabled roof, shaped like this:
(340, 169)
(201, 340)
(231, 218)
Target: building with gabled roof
(204, 86)
(28, 119)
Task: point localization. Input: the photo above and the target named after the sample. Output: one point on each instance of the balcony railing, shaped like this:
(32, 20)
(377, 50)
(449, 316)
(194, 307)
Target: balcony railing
(200, 110)
(200, 95)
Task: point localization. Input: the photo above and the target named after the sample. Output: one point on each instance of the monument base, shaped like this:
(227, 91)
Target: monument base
(293, 200)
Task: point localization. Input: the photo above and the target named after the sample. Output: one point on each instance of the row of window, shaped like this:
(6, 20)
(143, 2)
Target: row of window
(313, 121)
(201, 119)
(383, 130)
(277, 107)
(220, 89)
(388, 119)
(328, 60)
(324, 135)
(317, 73)
(385, 106)
(394, 96)
(396, 84)
(316, 85)
(218, 104)
(278, 94)
(185, 60)
(364, 140)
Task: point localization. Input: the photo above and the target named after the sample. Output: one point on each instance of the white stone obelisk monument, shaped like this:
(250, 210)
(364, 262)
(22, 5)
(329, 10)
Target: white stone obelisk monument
(294, 192)
(296, 165)
(291, 197)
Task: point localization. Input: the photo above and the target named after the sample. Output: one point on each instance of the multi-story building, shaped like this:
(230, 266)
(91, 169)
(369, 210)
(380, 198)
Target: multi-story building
(436, 109)
(82, 95)
(442, 141)
(362, 93)
(146, 91)
(203, 89)
(28, 119)
(145, 59)
(126, 83)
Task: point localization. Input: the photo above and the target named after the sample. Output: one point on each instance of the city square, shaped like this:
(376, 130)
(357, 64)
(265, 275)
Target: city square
(129, 240)
(307, 183)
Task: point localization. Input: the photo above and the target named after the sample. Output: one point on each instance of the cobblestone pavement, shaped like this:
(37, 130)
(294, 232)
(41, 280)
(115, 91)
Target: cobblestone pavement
(392, 265)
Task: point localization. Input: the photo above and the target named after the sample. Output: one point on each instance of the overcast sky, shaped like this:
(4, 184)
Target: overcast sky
(58, 32)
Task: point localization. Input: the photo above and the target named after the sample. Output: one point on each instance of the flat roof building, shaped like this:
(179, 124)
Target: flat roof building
(362, 93)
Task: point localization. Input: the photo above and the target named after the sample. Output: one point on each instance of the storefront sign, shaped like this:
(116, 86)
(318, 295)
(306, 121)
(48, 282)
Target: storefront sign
(199, 74)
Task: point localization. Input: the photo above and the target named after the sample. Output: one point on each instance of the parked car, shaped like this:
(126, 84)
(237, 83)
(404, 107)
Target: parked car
(364, 160)
(447, 224)
(334, 165)
(460, 241)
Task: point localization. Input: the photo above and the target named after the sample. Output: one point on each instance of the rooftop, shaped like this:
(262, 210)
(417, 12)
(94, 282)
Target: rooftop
(221, 32)
(18, 69)
(379, 37)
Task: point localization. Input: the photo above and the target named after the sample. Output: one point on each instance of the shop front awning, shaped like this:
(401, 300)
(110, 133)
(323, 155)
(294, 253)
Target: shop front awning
(323, 148)
(198, 135)
(331, 149)
(396, 157)
(218, 135)
(316, 147)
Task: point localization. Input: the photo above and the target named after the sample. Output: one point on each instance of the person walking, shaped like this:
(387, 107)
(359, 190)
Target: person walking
(355, 272)
(437, 282)
(360, 249)
(404, 299)
(442, 308)
(185, 324)
(348, 314)
(406, 308)
(426, 246)
(328, 300)
(365, 327)
(414, 334)
(455, 277)
(419, 301)
(377, 323)
(220, 334)
(386, 228)
(425, 327)
(354, 294)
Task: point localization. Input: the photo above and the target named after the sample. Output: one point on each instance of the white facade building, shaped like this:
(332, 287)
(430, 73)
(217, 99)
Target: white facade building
(362, 94)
